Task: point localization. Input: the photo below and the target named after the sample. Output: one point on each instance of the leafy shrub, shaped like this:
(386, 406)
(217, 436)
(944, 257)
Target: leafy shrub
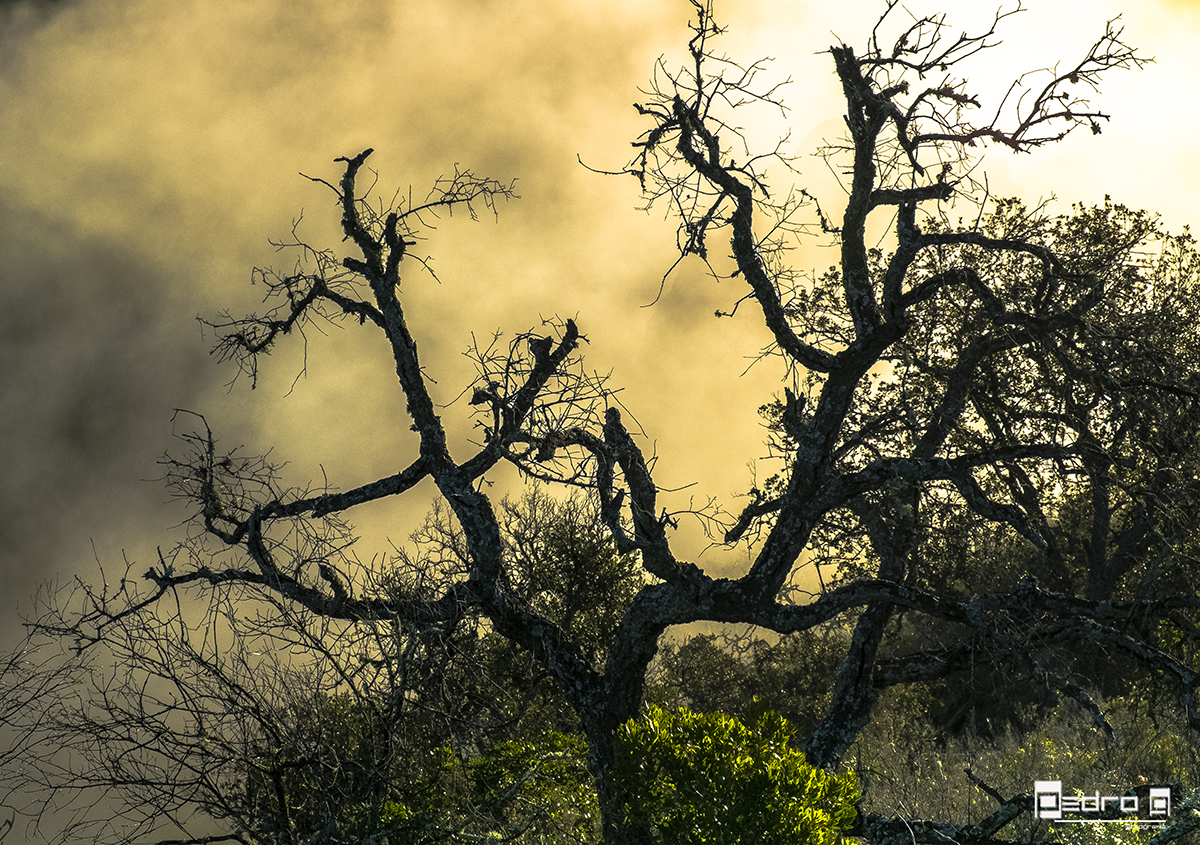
(714, 779)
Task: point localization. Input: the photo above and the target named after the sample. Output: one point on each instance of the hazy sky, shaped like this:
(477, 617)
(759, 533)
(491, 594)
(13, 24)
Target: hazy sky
(148, 150)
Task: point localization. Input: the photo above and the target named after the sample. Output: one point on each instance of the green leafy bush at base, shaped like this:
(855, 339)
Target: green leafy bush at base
(541, 788)
(710, 778)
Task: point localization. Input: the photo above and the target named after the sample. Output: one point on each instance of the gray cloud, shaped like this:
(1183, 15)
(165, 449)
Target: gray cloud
(93, 356)
(149, 150)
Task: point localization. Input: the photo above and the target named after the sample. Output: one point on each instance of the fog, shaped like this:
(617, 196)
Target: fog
(148, 151)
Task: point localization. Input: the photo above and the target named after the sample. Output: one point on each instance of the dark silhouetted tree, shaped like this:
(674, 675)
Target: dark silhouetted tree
(988, 428)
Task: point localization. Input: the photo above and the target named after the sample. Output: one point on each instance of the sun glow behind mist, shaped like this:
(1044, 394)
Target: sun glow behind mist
(151, 150)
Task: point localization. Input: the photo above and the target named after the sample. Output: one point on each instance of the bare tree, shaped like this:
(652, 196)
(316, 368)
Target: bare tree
(237, 710)
(1024, 381)
(29, 677)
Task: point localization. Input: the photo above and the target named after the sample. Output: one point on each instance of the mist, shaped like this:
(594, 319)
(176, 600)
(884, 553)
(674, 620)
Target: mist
(150, 151)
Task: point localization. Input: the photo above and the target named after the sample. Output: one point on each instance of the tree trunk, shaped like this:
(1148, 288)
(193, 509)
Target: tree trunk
(613, 799)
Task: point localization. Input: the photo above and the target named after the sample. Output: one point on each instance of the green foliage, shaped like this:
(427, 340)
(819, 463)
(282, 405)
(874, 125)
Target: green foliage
(908, 767)
(1121, 379)
(541, 787)
(565, 566)
(795, 674)
(714, 779)
(437, 735)
(344, 773)
(366, 823)
(349, 790)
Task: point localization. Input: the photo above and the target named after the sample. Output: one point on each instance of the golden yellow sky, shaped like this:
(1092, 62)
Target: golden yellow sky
(149, 149)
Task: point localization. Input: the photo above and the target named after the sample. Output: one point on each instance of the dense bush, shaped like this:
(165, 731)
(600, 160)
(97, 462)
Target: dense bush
(714, 779)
